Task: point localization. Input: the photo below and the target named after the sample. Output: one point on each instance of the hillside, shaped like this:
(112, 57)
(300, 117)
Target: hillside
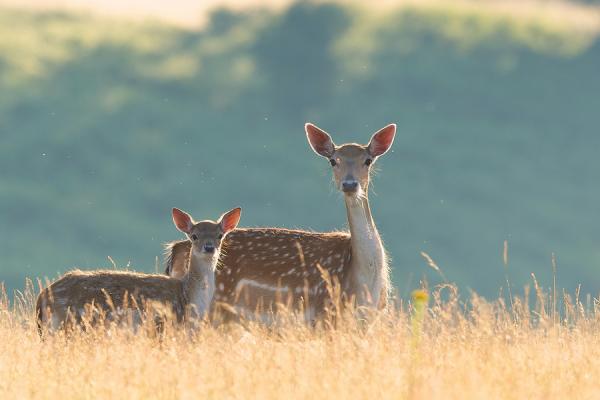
(106, 124)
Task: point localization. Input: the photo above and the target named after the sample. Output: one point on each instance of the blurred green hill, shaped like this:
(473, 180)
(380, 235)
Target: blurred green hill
(106, 124)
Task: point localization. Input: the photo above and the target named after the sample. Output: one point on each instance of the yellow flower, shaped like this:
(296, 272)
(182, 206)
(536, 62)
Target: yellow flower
(419, 296)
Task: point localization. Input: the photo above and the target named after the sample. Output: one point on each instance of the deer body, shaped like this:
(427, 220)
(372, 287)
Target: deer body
(118, 293)
(113, 292)
(260, 267)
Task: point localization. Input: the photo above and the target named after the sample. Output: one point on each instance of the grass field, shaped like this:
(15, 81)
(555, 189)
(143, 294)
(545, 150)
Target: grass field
(467, 349)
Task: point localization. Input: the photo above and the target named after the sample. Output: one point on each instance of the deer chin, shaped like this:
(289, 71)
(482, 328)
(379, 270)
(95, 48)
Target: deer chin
(355, 194)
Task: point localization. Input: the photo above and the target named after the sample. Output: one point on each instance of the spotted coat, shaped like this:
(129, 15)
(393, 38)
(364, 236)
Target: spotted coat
(260, 267)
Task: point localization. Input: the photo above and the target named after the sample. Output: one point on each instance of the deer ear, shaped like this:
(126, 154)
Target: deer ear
(319, 140)
(183, 221)
(230, 219)
(382, 140)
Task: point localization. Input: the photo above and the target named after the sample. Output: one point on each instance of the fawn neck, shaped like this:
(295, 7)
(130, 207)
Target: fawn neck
(368, 266)
(199, 283)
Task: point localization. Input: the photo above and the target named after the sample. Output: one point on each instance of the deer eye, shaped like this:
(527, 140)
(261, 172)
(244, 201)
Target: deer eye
(220, 236)
(368, 161)
(332, 162)
(194, 237)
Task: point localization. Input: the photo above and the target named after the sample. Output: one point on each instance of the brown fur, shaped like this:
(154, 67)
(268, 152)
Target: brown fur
(281, 258)
(107, 291)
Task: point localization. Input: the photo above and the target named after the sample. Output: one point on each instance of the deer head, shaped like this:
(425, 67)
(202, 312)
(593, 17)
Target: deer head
(206, 236)
(351, 162)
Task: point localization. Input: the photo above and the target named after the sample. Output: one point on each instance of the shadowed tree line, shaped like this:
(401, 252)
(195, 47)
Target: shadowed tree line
(497, 138)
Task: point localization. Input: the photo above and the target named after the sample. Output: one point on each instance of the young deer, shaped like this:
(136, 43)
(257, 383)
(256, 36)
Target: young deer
(119, 291)
(264, 266)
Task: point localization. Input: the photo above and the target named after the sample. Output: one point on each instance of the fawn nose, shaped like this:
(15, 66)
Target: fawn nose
(209, 248)
(349, 186)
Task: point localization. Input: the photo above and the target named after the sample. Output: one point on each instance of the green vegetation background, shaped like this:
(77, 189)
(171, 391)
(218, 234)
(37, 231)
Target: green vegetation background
(105, 125)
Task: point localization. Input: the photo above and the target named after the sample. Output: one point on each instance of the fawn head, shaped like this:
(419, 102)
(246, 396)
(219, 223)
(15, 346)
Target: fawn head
(206, 236)
(351, 162)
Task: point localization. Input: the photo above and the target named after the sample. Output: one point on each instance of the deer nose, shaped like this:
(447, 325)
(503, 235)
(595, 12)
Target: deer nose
(349, 186)
(209, 248)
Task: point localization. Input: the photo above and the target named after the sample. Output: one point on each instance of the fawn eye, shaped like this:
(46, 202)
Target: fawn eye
(220, 236)
(332, 162)
(368, 161)
(194, 237)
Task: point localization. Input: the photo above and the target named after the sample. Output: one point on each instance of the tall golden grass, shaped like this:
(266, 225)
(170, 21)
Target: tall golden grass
(451, 348)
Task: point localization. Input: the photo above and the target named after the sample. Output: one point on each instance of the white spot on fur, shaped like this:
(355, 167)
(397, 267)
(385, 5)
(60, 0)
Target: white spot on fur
(248, 282)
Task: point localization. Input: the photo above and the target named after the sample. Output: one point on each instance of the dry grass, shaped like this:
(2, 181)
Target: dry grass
(473, 349)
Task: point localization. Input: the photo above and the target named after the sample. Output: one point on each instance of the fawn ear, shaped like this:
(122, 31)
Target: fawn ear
(319, 140)
(183, 221)
(230, 219)
(382, 140)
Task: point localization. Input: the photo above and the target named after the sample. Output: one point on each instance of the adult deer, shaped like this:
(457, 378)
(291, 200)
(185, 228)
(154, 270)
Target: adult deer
(264, 266)
(119, 292)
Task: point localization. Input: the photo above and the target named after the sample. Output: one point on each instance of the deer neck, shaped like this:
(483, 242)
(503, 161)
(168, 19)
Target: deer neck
(368, 267)
(199, 284)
